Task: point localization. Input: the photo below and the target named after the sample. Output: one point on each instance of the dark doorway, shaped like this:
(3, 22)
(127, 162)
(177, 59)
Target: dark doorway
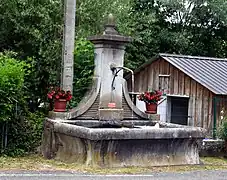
(179, 110)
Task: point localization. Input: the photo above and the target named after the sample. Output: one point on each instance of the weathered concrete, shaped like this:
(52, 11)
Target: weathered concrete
(119, 147)
(110, 114)
(213, 148)
(109, 49)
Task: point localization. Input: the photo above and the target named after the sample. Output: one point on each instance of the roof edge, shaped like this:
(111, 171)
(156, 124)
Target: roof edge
(193, 57)
(157, 56)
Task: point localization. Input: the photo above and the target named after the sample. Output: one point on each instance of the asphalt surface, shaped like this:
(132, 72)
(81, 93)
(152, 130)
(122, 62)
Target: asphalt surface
(61, 175)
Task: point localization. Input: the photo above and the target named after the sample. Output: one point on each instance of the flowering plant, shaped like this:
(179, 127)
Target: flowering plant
(150, 96)
(58, 93)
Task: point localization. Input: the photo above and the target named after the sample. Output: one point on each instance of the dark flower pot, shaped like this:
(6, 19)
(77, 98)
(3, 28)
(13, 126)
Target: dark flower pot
(60, 105)
(151, 108)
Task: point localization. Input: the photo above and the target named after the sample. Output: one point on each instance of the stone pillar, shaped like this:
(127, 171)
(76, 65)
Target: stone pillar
(109, 50)
(68, 45)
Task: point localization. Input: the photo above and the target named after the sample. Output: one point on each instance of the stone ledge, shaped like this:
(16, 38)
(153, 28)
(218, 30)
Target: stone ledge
(212, 148)
(148, 132)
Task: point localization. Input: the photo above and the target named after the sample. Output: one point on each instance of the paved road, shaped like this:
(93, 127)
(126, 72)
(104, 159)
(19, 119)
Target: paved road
(196, 175)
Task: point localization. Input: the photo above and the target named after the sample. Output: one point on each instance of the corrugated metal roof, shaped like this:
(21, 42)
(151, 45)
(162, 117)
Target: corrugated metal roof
(209, 72)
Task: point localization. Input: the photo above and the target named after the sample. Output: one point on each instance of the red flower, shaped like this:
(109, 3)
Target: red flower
(58, 93)
(150, 97)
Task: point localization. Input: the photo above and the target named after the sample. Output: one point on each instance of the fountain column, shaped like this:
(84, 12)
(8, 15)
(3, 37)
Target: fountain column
(109, 51)
(68, 45)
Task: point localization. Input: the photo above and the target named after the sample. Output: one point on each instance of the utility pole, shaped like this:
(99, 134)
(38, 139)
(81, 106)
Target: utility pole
(68, 45)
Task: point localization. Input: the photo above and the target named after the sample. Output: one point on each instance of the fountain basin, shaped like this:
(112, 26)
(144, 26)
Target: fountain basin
(134, 143)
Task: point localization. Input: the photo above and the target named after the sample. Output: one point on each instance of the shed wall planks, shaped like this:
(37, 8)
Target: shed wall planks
(200, 111)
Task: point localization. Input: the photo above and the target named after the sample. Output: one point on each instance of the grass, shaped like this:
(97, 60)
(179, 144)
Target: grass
(36, 162)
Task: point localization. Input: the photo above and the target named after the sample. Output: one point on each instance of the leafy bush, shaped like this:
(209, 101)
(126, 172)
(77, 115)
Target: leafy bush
(22, 129)
(25, 134)
(12, 75)
(34, 29)
(83, 69)
(222, 131)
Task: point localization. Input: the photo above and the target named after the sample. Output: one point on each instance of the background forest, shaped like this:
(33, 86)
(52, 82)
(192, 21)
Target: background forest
(31, 34)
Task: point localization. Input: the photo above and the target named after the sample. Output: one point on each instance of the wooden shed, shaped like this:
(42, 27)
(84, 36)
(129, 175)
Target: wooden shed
(194, 88)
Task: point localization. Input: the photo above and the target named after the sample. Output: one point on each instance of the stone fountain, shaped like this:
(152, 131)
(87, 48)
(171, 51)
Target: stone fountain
(107, 129)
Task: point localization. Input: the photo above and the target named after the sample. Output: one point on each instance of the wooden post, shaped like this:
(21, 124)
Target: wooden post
(68, 45)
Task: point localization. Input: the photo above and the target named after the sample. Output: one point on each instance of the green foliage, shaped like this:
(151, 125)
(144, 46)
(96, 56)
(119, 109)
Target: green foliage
(24, 134)
(24, 128)
(182, 27)
(83, 69)
(222, 131)
(12, 75)
(92, 15)
(34, 29)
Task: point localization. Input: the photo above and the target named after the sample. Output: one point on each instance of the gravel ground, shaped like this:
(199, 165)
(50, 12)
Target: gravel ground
(65, 175)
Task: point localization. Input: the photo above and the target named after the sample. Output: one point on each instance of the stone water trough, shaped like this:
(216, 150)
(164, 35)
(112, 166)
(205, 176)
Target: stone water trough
(119, 135)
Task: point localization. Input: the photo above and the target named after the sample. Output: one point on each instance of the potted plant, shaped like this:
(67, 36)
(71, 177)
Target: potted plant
(60, 98)
(151, 99)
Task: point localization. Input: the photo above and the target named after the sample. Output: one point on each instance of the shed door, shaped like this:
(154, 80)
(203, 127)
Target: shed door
(179, 110)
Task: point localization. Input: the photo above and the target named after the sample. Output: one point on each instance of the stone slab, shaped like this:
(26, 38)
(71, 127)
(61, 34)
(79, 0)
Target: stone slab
(111, 114)
(128, 133)
(212, 148)
(123, 153)
(155, 145)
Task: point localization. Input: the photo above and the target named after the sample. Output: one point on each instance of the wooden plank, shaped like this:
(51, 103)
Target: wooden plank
(150, 76)
(210, 119)
(156, 77)
(145, 85)
(161, 72)
(167, 85)
(190, 112)
(193, 96)
(175, 81)
(161, 66)
(205, 111)
(167, 80)
(187, 91)
(166, 68)
(181, 83)
(171, 82)
(199, 102)
(202, 106)
(187, 85)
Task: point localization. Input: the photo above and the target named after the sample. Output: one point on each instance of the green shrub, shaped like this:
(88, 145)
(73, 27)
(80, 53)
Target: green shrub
(222, 131)
(25, 134)
(22, 129)
(12, 75)
(83, 69)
